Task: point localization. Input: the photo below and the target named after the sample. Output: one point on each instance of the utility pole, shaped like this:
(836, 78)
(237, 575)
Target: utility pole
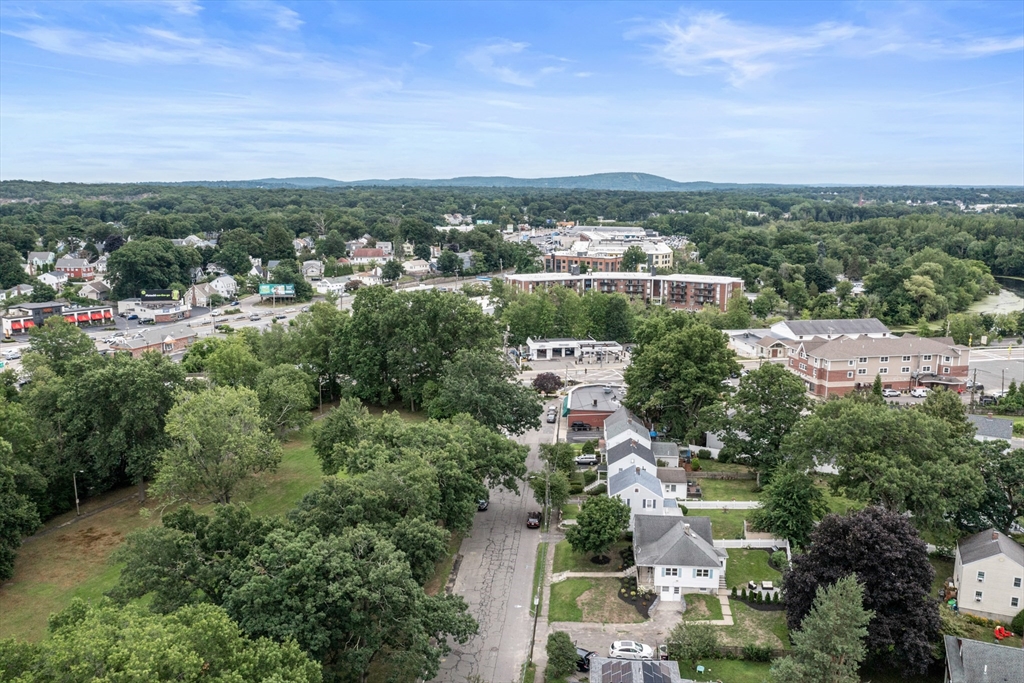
(74, 480)
(1002, 381)
(974, 384)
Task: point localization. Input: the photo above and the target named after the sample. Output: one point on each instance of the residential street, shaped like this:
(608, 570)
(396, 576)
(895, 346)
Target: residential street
(496, 579)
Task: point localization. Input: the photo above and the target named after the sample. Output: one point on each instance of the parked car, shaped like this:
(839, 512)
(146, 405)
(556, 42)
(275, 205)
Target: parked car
(988, 400)
(215, 313)
(133, 316)
(628, 649)
(305, 309)
(891, 393)
(587, 459)
(233, 303)
(148, 321)
(581, 427)
(280, 316)
(552, 416)
(583, 656)
(482, 504)
(533, 520)
(12, 355)
(919, 392)
(254, 316)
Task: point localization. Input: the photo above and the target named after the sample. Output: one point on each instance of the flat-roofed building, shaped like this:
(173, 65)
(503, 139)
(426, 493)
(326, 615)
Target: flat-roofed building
(680, 291)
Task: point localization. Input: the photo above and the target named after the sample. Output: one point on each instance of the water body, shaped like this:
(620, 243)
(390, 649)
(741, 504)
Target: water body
(1009, 299)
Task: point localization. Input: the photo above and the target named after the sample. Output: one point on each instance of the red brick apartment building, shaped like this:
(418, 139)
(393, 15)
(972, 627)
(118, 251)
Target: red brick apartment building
(686, 292)
(841, 365)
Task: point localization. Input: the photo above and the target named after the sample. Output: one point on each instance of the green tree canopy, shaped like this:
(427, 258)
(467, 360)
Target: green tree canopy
(18, 514)
(632, 258)
(149, 263)
(601, 522)
(790, 505)
(60, 345)
(285, 396)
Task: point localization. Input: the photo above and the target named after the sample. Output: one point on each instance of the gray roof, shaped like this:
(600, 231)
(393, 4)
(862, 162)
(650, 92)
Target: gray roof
(837, 326)
(672, 475)
(631, 477)
(620, 451)
(69, 262)
(972, 661)
(583, 399)
(663, 540)
(40, 255)
(665, 448)
(989, 543)
(157, 335)
(622, 420)
(845, 348)
(604, 670)
(992, 427)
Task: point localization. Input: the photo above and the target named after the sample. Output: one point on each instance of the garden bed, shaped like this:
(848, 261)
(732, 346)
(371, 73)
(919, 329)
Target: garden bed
(629, 594)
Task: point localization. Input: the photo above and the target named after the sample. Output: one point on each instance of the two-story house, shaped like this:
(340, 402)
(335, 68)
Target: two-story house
(676, 555)
(225, 285)
(76, 268)
(846, 364)
(988, 575)
(972, 661)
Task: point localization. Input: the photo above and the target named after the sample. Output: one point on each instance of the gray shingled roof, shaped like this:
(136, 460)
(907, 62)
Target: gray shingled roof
(661, 540)
(972, 661)
(665, 448)
(631, 477)
(846, 348)
(626, 448)
(672, 475)
(992, 427)
(982, 545)
(622, 420)
(158, 335)
(837, 326)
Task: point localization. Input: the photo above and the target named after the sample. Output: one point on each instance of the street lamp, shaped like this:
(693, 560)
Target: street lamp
(74, 480)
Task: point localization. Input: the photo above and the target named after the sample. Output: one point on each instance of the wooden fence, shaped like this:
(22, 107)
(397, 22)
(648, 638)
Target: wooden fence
(721, 475)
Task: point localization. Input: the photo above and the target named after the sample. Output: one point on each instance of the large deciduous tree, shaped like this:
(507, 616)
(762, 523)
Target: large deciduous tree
(60, 344)
(754, 421)
(790, 505)
(482, 384)
(218, 443)
(18, 514)
(829, 646)
(149, 263)
(890, 560)
(601, 522)
(547, 382)
(672, 378)
(286, 396)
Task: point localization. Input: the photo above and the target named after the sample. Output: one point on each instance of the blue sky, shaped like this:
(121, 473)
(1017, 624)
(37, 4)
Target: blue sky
(859, 92)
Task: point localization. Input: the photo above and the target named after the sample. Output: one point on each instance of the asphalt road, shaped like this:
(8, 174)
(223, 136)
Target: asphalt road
(496, 579)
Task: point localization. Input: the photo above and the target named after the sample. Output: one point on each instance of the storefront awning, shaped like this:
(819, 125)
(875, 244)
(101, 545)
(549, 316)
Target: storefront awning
(96, 315)
(29, 323)
(16, 325)
(108, 314)
(83, 317)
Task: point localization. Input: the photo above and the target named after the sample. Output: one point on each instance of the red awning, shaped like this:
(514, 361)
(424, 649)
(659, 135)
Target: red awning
(108, 313)
(70, 318)
(29, 323)
(16, 325)
(96, 315)
(83, 317)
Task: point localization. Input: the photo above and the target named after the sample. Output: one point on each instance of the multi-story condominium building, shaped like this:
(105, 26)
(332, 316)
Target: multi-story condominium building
(841, 365)
(687, 292)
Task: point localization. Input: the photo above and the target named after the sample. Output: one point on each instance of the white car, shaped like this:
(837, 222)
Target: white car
(891, 393)
(627, 649)
(920, 392)
(12, 355)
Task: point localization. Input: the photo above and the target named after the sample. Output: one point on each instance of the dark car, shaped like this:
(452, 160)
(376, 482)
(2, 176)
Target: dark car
(133, 317)
(533, 520)
(988, 400)
(233, 303)
(583, 656)
(581, 427)
(482, 504)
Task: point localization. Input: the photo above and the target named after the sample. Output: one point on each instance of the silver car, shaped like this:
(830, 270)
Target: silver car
(628, 649)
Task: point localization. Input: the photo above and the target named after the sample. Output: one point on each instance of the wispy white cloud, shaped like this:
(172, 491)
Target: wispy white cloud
(186, 7)
(709, 43)
(421, 48)
(283, 17)
(492, 60)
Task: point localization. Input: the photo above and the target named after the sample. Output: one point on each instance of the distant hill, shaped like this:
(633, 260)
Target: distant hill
(637, 182)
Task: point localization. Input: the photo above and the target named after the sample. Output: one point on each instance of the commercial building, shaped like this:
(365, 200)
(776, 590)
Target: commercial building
(168, 341)
(161, 311)
(681, 291)
(554, 349)
(846, 364)
(23, 317)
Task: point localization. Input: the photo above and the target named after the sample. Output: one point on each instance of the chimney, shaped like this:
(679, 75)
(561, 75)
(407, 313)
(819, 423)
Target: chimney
(638, 470)
(990, 416)
(995, 535)
(686, 529)
(595, 402)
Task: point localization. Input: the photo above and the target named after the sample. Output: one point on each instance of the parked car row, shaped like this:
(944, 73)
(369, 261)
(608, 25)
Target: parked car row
(917, 392)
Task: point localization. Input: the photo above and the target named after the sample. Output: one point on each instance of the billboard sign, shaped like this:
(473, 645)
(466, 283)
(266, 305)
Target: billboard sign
(151, 295)
(277, 290)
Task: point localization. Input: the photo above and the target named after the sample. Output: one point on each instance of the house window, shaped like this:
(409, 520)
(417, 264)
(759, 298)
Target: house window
(977, 596)
(926, 356)
(1014, 602)
(906, 359)
(883, 371)
(1016, 582)
(981, 577)
(947, 359)
(862, 360)
(803, 366)
(791, 362)
(945, 371)
(849, 375)
(702, 573)
(904, 370)
(852, 363)
(665, 589)
(670, 571)
(675, 591)
(672, 488)
(862, 371)
(926, 368)
(883, 359)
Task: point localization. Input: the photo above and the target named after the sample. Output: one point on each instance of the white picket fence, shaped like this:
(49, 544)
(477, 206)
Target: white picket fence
(721, 504)
(747, 543)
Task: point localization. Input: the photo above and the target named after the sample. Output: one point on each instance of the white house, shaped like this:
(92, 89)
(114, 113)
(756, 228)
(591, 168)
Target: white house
(369, 278)
(16, 290)
(200, 294)
(642, 492)
(331, 285)
(57, 279)
(989, 575)
(38, 259)
(630, 455)
(312, 270)
(225, 285)
(361, 257)
(416, 267)
(676, 555)
(623, 426)
(97, 290)
(830, 329)
(989, 428)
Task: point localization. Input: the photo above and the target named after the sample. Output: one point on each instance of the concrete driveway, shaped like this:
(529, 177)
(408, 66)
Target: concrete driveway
(496, 579)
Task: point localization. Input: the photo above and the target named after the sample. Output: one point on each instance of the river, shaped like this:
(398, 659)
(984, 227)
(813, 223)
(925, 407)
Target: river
(1008, 299)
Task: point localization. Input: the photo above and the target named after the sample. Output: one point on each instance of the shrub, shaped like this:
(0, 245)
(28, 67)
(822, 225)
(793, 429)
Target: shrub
(704, 453)
(734, 592)
(575, 488)
(589, 446)
(724, 456)
(743, 595)
(685, 510)
(599, 490)
(691, 642)
(561, 655)
(757, 653)
(775, 598)
(1018, 428)
(589, 477)
(780, 561)
(1017, 625)
(695, 464)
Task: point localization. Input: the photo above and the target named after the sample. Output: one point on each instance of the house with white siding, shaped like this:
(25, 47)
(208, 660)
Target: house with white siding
(676, 555)
(989, 575)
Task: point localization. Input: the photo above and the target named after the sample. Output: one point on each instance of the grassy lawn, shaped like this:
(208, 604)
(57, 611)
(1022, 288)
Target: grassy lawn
(702, 606)
(443, 568)
(724, 523)
(709, 465)
(754, 626)
(570, 511)
(590, 600)
(74, 562)
(564, 595)
(568, 561)
(943, 569)
(748, 565)
(729, 489)
(538, 576)
(727, 671)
